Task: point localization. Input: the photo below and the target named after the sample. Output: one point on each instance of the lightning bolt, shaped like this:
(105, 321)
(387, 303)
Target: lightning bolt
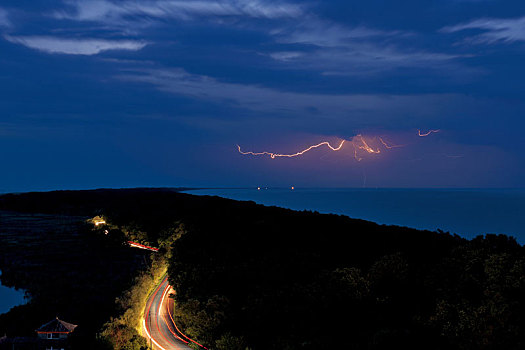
(388, 146)
(360, 145)
(275, 155)
(427, 133)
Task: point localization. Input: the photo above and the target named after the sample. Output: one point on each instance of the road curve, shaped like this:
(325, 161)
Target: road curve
(157, 324)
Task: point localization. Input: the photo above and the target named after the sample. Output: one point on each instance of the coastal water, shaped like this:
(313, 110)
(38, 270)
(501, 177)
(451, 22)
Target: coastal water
(466, 212)
(10, 297)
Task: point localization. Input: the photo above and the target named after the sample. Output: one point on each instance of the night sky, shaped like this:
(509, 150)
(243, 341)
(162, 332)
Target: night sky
(160, 93)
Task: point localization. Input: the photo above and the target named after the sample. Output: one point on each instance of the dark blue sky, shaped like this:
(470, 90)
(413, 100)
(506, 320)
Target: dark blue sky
(158, 93)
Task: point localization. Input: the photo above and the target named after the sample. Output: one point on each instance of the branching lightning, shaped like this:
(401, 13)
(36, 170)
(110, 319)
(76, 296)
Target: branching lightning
(361, 146)
(388, 146)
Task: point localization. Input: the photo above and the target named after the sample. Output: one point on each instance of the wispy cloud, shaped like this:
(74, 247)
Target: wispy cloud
(365, 58)
(58, 45)
(4, 18)
(325, 34)
(285, 56)
(117, 11)
(337, 49)
(350, 107)
(494, 29)
(304, 39)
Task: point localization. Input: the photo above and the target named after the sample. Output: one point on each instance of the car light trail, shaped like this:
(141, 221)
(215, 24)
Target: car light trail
(160, 305)
(158, 328)
(142, 246)
(146, 329)
(178, 330)
(149, 335)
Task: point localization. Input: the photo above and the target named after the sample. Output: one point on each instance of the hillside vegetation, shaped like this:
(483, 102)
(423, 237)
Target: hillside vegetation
(256, 277)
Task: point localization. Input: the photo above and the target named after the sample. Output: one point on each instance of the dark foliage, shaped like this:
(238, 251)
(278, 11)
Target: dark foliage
(270, 278)
(67, 270)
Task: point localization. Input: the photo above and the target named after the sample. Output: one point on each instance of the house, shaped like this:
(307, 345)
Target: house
(53, 335)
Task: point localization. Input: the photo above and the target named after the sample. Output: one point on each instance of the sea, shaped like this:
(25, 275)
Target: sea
(466, 212)
(10, 297)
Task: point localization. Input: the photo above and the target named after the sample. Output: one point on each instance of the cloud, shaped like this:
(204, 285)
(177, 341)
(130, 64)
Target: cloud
(285, 56)
(325, 34)
(107, 11)
(4, 18)
(339, 50)
(365, 58)
(50, 44)
(304, 39)
(357, 109)
(495, 30)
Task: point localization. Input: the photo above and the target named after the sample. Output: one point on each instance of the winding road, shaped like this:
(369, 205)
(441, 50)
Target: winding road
(159, 327)
(158, 324)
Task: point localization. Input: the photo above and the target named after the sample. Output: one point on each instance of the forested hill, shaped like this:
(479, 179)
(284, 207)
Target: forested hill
(271, 278)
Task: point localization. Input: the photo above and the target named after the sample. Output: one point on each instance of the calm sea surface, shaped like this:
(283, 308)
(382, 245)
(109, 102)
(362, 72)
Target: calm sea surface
(10, 297)
(465, 212)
